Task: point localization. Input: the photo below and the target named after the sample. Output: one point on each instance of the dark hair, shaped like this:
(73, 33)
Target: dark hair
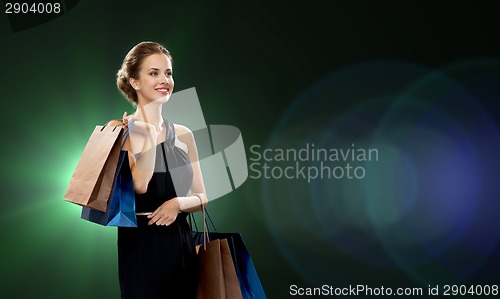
(132, 64)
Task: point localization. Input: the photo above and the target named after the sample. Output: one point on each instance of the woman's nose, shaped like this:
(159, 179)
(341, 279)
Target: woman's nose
(164, 78)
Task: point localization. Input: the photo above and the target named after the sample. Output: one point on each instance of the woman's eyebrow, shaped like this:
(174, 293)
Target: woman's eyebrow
(157, 69)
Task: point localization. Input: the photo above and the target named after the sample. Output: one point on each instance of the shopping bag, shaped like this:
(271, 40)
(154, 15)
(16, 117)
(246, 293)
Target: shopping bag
(121, 205)
(217, 278)
(248, 279)
(92, 180)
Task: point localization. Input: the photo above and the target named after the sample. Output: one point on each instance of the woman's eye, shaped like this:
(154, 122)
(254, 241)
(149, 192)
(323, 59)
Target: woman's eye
(154, 73)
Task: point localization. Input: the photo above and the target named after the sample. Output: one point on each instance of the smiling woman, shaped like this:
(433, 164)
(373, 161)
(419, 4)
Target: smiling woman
(157, 259)
(155, 54)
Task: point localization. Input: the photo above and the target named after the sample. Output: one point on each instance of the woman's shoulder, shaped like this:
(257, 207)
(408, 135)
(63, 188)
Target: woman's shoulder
(184, 134)
(181, 129)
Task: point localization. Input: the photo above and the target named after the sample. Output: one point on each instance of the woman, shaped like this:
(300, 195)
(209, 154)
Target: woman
(157, 259)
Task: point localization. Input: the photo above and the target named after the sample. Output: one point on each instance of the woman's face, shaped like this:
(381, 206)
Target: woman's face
(155, 79)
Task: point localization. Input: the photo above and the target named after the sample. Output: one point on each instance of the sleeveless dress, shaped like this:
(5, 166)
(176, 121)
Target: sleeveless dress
(160, 261)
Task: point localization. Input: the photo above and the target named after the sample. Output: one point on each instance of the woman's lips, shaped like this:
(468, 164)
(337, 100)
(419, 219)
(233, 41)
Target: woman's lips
(163, 91)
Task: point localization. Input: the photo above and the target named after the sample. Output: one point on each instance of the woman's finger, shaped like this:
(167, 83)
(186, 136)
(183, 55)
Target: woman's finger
(153, 214)
(154, 219)
(163, 221)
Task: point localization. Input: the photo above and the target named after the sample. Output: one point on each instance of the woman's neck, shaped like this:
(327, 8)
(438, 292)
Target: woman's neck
(150, 113)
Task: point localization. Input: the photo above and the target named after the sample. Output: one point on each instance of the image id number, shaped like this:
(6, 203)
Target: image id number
(35, 8)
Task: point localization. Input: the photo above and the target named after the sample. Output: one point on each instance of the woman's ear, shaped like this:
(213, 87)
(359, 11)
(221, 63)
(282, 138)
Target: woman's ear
(134, 83)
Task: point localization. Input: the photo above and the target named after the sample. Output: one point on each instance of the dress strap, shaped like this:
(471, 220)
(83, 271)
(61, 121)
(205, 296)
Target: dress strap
(169, 143)
(170, 139)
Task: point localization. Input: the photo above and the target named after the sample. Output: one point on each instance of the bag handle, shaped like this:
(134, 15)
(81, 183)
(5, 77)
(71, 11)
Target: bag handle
(205, 216)
(127, 133)
(206, 236)
(120, 123)
(206, 230)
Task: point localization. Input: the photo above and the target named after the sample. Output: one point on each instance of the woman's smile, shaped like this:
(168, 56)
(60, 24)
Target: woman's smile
(163, 90)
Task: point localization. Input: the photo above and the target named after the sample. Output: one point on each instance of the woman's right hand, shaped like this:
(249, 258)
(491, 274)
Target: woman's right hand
(126, 119)
(142, 135)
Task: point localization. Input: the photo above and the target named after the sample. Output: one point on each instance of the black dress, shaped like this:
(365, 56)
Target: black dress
(160, 261)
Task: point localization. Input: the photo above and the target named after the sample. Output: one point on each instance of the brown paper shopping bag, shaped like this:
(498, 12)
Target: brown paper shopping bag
(211, 279)
(230, 278)
(217, 278)
(92, 180)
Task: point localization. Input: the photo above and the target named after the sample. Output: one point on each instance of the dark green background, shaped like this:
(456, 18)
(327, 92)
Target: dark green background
(249, 60)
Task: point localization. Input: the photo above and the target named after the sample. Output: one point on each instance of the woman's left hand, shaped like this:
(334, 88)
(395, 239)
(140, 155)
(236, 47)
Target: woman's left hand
(166, 213)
